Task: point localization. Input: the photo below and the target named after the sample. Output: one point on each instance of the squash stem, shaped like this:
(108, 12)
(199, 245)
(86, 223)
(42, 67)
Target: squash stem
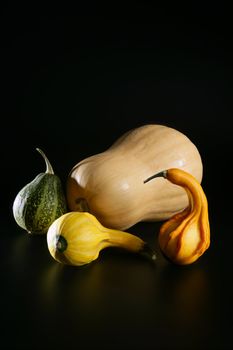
(49, 169)
(147, 252)
(160, 174)
(81, 205)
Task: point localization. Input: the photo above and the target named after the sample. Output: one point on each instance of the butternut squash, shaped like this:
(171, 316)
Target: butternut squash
(110, 184)
(185, 236)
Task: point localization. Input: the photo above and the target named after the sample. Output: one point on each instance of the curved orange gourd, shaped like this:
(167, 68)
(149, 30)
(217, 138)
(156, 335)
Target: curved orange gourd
(186, 236)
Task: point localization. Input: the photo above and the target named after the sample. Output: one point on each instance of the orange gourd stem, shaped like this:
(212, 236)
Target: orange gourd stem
(186, 236)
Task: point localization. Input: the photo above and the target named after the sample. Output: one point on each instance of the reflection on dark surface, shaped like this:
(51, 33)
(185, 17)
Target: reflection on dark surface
(185, 293)
(122, 299)
(94, 287)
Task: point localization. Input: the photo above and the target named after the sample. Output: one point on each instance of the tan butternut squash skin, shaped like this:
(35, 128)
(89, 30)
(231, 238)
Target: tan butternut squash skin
(110, 184)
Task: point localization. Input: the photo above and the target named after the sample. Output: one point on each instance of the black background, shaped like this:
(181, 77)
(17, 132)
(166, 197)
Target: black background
(72, 83)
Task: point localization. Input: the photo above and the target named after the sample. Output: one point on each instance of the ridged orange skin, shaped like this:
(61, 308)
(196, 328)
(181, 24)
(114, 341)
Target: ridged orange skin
(186, 236)
(110, 184)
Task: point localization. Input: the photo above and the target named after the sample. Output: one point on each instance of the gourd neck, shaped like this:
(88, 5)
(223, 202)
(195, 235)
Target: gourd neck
(49, 169)
(130, 242)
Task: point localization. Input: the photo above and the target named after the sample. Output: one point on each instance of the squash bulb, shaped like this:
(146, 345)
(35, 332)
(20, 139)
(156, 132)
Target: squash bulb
(110, 186)
(185, 236)
(40, 202)
(76, 238)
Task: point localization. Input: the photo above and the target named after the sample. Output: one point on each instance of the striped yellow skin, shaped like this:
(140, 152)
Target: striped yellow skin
(76, 238)
(186, 236)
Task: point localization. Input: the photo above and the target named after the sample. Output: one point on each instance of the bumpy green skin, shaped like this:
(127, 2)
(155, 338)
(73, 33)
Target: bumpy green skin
(39, 203)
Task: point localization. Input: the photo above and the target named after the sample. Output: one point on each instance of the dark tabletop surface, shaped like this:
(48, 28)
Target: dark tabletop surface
(72, 84)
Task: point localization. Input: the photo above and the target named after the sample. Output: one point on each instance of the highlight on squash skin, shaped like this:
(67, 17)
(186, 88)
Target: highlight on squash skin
(76, 238)
(185, 236)
(110, 186)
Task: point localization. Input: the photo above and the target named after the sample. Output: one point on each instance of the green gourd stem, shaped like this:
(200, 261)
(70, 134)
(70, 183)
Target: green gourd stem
(49, 169)
(160, 174)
